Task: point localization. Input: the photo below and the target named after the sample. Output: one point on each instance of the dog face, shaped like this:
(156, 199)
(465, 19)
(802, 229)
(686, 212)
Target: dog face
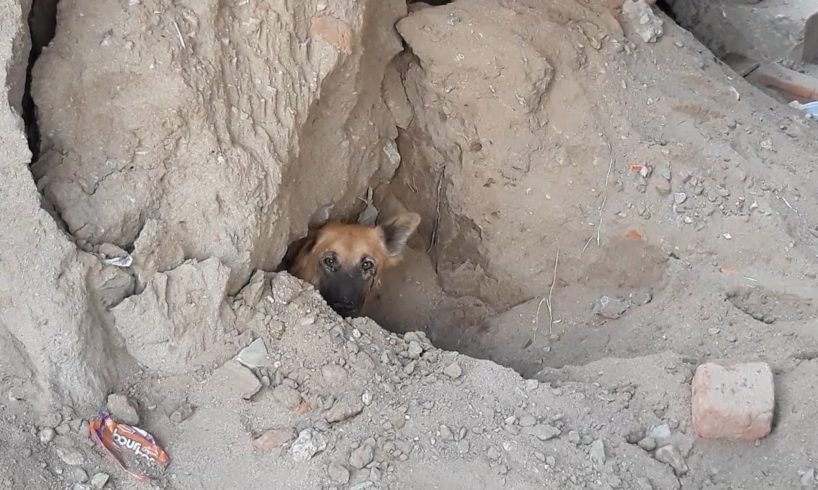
(345, 261)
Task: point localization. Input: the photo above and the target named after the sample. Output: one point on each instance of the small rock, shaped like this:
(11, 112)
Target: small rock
(662, 187)
(528, 421)
(333, 374)
(309, 443)
(531, 384)
(287, 396)
(645, 22)
(47, 435)
(182, 413)
(343, 411)
(551, 461)
(573, 437)
(361, 456)
(79, 475)
(611, 308)
(50, 420)
(808, 478)
(493, 454)
(733, 401)
(660, 433)
(453, 370)
(647, 443)
(671, 456)
(597, 452)
(409, 368)
(235, 380)
(70, 456)
(463, 446)
(665, 173)
(543, 432)
(63, 429)
(254, 355)
(679, 197)
(273, 438)
(713, 330)
(99, 480)
(366, 398)
(338, 473)
(123, 409)
(415, 350)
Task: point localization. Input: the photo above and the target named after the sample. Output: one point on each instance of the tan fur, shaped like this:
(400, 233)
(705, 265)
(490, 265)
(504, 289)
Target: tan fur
(351, 243)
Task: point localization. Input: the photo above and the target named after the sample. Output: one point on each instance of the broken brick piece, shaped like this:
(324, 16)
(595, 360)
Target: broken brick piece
(733, 401)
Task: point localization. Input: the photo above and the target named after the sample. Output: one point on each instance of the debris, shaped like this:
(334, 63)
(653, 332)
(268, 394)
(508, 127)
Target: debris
(597, 452)
(733, 401)
(342, 411)
(273, 438)
(543, 432)
(113, 436)
(309, 443)
(671, 456)
(287, 396)
(611, 308)
(797, 84)
(236, 380)
(646, 23)
(254, 355)
(415, 350)
(338, 473)
(647, 443)
(99, 480)
(361, 457)
(122, 408)
(46, 435)
(70, 456)
(182, 413)
(453, 370)
(333, 374)
(79, 475)
(113, 255)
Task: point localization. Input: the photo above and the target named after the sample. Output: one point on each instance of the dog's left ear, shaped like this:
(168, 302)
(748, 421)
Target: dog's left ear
(397, 230)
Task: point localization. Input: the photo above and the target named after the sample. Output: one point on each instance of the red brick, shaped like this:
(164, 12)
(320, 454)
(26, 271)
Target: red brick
(733, 401)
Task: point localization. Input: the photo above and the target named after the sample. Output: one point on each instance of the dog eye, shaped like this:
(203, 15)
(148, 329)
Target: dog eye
(330, 262)
(367, 265)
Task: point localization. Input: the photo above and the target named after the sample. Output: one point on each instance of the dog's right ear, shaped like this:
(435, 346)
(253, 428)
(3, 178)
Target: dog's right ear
(304, 245)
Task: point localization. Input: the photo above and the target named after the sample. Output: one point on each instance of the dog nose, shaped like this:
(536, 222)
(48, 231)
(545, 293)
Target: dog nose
(345, 308)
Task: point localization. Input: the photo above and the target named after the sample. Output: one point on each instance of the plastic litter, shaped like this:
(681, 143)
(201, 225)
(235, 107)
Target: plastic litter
(127, 443)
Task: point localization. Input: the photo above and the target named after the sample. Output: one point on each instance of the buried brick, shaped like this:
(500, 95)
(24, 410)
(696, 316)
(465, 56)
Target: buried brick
(733, 401)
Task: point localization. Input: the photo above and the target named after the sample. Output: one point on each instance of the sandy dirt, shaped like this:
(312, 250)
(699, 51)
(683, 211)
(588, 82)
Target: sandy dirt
(600, 216)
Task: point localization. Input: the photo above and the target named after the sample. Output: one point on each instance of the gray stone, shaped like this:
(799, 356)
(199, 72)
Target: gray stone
(671, 456)
(611, 308)
(647, 443)
(182, 413)
(453, 370)
(99, 480)
(415, 350)
(361, 456)
(338, 473)
(235, 380)
(309, 443)
(254, 355)
(543, 432)
(47, 435)
(123, 409)
(597, 452)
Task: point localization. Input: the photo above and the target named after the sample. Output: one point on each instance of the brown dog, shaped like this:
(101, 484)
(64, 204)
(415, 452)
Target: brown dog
(346, 261)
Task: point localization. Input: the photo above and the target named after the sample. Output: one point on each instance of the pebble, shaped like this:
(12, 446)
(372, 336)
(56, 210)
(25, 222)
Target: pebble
(309, 443)
(611, 308)
(446, 433)
(662, 187)
(409, 368)
(99, 480)
(531, 384)
(543, 432)
(679, 197)
(671, 456)
(50, 420)
(573, 437)
(122, 409)
(366, 398)
(597, 452)
(338, 473)
(528, 421)
(63, 429)
(453, 370)
(343, 410)
(463, 446)
(236, 380)
(647, 443)
(273, 438)
(361, 457)
(71, 457)
(47, 435)
(79, 475)
(415, 350)
(254, 355)
(182, 413)
(713, 330)
(333, 374)
(808, 478)
(287, 396)
(551, 461)
(493, 453)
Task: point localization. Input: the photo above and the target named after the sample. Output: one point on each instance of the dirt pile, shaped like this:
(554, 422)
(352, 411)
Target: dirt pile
(601, 214)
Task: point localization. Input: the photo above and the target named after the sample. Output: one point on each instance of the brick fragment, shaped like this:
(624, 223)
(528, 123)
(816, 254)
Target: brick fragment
(733, 401)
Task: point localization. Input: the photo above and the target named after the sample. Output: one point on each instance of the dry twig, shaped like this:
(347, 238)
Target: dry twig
(548, 304)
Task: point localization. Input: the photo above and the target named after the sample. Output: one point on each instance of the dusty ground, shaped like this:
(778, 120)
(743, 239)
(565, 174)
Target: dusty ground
(522, 166)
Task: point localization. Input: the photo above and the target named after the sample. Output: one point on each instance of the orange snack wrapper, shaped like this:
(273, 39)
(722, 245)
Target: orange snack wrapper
(121, 440)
